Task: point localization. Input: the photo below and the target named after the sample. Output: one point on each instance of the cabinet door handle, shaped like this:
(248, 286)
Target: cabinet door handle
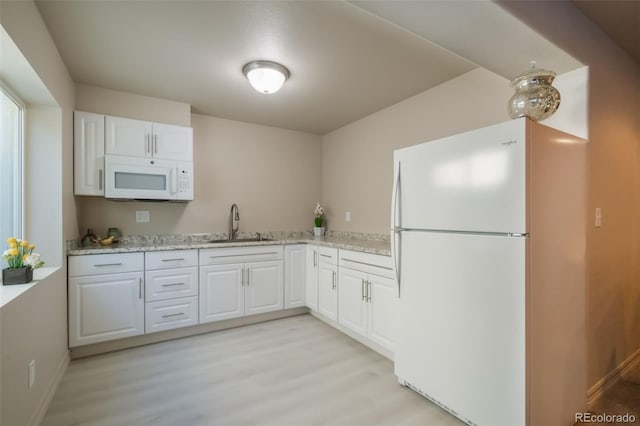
(173, 260)
(315, 258)
(172, 285)
(139, 288)
(172, 315)
(146, 143)
(248, 276)
(242, 279)
(333, 280)
(107, 264)
(155, 144)
(362, 289)
(369, 291)
(100, 179)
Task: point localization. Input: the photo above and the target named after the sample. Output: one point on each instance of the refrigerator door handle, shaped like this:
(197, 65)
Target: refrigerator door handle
(395, 202)
(395, 232)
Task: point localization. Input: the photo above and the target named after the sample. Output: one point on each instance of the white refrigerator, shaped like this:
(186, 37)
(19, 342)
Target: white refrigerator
(488, 239)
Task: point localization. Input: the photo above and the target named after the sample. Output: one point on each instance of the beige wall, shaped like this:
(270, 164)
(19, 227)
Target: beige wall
(34, 326)
(357, 159)
(272, 174)
(129, 105)
(614, 141)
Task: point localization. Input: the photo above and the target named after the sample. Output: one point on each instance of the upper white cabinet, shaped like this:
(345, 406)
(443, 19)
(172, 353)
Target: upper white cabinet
(294, 275)
(88, 153)
(136, 138)
(95, 135)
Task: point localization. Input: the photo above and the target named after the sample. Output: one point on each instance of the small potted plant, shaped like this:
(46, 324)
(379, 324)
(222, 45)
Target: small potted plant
(21, 261)
(318, 229)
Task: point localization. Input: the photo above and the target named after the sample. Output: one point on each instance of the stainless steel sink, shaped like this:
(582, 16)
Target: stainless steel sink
(239, 240)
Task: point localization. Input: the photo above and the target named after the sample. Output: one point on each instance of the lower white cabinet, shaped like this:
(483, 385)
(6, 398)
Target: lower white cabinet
(105, 306)
(171, 289)
(112, 296)
(294, 275)
(311, 273)
(171, 313)
(240, 281)
(328, 282)
(368, 300)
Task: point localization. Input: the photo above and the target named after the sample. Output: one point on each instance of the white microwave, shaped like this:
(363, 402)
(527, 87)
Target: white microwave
(140, 178)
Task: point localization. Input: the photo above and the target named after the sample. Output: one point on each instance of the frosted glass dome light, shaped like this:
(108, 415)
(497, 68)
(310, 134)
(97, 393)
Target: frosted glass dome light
(265, 76)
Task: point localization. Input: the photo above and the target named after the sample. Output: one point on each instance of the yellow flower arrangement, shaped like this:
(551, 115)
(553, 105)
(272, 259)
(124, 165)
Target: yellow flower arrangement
(20, 254)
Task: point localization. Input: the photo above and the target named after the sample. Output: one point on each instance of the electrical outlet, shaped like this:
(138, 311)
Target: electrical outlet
(32, 373)
(142, 216)
(347, 217)
(598, 217)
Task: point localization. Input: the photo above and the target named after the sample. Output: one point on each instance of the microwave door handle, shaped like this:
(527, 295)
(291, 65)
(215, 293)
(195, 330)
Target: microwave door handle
(173, 179)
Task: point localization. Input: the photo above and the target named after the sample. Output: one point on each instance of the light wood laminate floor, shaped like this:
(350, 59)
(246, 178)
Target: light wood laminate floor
(294, 371)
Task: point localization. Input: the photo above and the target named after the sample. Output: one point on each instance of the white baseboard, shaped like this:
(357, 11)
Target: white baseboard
(596, 391)
(38, 415)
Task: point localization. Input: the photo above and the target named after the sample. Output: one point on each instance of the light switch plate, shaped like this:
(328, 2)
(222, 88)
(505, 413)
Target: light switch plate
(142, 216)
(347, 217)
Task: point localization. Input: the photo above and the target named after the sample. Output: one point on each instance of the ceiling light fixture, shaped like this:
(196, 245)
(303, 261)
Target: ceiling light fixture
(265, 76)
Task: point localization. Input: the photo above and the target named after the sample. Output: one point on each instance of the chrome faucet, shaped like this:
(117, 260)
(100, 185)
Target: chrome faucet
(234, 215)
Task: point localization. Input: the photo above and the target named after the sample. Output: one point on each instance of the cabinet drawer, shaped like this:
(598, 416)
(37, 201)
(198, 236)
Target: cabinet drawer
(328, 255)
(171, 283)
(170, 259)
(169, 314)
(96, 264)
(240, 254)
(367, 262)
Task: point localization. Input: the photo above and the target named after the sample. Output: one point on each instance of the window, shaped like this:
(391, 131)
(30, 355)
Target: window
(11, 144)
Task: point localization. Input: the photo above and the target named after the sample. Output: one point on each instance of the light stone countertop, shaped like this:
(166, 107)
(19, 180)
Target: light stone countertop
(367, 243)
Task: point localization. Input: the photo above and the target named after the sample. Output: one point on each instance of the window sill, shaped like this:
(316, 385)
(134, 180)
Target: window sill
(11, 292)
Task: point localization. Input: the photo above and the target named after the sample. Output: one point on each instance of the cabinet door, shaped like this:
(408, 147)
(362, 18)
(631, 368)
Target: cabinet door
(88, 153)
(294, 275)
(221, 292)
(264, 287)
(328, 290)
(311, 282)
(383, 311)
(352, 304)
(124, 136)
(172, 142)
(105, 307)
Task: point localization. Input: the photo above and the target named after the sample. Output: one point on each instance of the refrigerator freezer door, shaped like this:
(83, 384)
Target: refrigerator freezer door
(475, 181)
(461, 334)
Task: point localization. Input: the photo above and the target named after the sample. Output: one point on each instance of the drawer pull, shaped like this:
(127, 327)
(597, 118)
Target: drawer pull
(172, 285)
(108, 264)
(326, 255)
(173, 315)
(242, 255)
(173, 260)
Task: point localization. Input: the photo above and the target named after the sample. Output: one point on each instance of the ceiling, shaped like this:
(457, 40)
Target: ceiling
(347, 59)
(620, 19)
(345, 63)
